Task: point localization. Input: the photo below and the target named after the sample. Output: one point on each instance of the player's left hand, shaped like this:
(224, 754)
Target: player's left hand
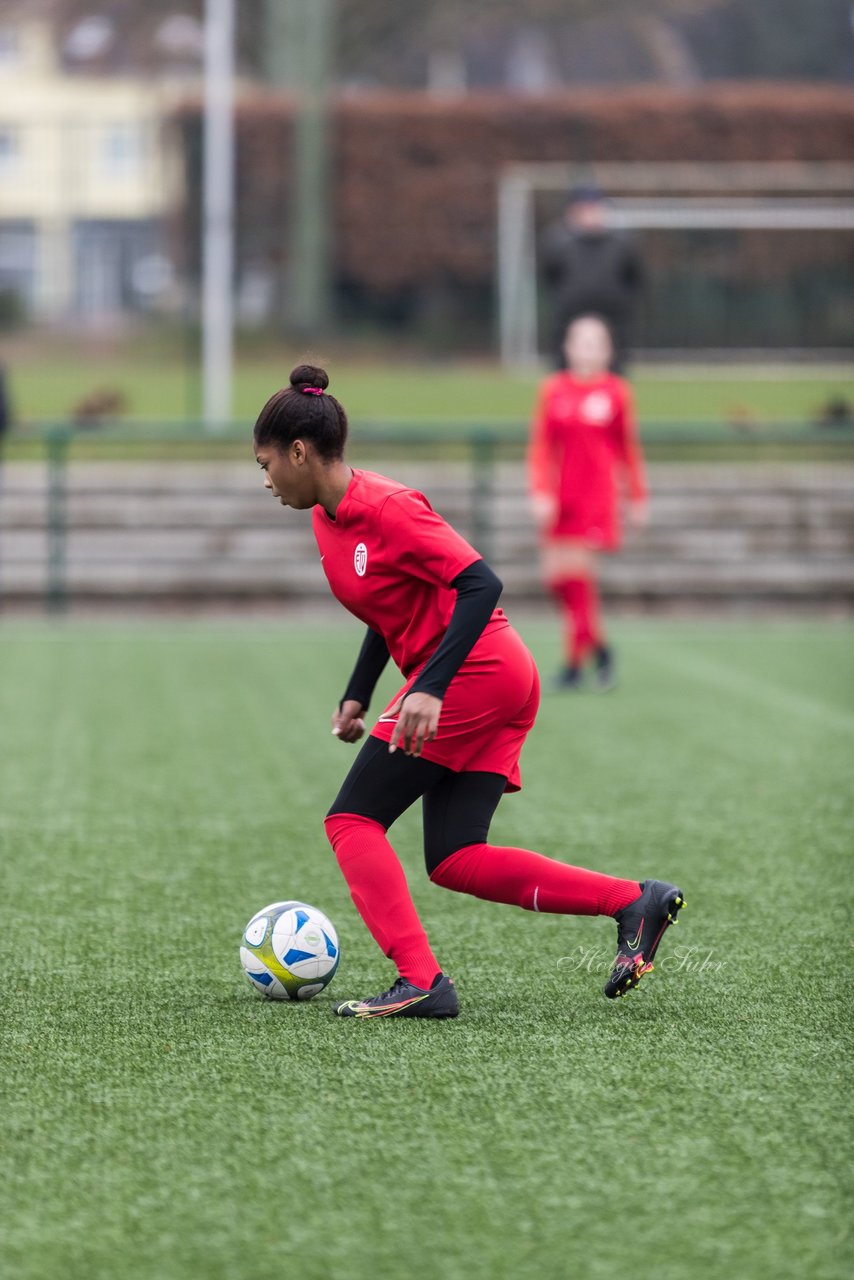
(417, 721)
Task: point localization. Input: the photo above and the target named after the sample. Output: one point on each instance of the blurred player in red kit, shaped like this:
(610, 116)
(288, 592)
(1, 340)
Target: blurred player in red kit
(453, 734)
(583, 457)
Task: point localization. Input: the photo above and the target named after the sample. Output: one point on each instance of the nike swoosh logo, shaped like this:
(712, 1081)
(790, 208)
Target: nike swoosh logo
(633, 946)
(367, 1011)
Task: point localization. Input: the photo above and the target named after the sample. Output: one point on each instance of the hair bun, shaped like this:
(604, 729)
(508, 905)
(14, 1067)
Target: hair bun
(309, 375)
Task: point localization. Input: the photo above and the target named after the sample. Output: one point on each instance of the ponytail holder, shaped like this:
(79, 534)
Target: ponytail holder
(312, 391)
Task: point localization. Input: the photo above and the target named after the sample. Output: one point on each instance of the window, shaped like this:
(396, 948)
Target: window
(10, 47)
(10, 149)
(121, 150)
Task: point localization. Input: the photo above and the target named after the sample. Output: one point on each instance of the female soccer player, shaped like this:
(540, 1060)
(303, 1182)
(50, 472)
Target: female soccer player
(583, 444)
(452, 735)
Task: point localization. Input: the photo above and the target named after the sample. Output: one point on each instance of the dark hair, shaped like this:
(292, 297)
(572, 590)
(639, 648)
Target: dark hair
(585, 193)
(303, 411)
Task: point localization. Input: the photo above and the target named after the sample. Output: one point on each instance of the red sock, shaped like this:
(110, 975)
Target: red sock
(532, 881)
(378, 887)
(580, 599)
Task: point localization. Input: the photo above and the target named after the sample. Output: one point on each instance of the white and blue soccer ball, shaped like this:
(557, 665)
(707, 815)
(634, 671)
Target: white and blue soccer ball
(289, 951)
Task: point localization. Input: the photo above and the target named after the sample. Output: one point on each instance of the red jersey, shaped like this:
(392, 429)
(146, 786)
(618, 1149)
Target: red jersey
(583, 444)
(390, 559)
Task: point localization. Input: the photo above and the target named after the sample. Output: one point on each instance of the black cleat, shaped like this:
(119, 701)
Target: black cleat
(568, 679)
(640, 928)
(606, 675)
(404, 1000)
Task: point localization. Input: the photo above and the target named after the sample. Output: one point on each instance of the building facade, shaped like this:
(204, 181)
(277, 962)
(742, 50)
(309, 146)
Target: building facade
(86, 181)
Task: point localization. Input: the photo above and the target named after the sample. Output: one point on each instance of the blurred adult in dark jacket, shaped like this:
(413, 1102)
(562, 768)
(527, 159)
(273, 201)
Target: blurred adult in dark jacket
(591, 268)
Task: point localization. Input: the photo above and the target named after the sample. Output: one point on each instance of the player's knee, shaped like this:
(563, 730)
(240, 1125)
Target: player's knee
(457, 820)
(439, 847)
(340, 825)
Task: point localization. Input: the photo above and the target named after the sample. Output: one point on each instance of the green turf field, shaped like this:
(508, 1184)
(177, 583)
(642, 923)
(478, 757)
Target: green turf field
(162, 782)
(46, 386)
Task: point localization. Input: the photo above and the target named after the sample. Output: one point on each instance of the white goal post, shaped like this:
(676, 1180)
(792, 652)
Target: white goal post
(802, 196)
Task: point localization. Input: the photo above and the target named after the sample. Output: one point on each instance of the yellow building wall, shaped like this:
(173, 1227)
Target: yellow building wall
(83, 148)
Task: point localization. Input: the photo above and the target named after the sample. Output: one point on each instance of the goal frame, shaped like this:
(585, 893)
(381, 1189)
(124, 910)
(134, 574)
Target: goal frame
(791, 195)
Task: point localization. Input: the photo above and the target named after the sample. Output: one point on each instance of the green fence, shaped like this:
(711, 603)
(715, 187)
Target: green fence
(472, 451)
(477, 449)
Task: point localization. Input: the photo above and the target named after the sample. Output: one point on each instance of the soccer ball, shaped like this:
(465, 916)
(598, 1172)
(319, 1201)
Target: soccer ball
(289, 951)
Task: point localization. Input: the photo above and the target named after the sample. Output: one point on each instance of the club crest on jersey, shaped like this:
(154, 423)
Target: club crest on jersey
(596, 409)
(360, 559)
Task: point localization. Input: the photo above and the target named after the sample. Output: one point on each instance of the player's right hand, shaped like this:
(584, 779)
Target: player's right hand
(544, 510)
(348, 721)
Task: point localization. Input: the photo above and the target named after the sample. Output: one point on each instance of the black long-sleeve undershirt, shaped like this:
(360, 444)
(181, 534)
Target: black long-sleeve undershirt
(478, 590)
(370, 665)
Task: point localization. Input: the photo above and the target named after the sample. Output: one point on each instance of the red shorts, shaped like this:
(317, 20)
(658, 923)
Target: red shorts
(599, 529)
(488, 711)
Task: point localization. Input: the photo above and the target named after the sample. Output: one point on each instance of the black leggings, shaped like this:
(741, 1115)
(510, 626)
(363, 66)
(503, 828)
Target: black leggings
(457, 807)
